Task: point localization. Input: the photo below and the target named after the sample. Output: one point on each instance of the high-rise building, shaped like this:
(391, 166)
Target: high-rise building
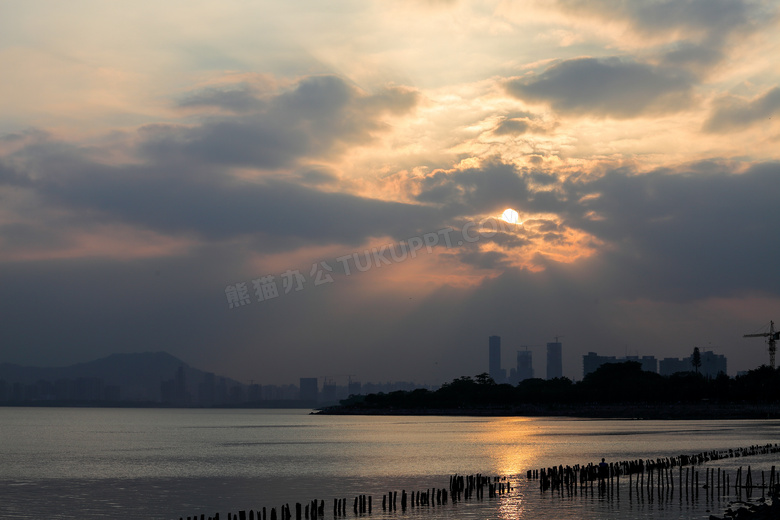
(592, 361)
(494, 359)
(712, 364)
(525, 365)
(554, 360)
(308, 389)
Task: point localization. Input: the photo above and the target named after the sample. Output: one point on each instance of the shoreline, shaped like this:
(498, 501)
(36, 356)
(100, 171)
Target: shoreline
(677, 411)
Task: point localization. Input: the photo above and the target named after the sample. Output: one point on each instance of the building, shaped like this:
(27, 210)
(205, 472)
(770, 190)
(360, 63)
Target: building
(207, 390)
(309, 390)
(592, 361)
(649, 363)
(669, 366)
(354, 388)
(554, 360)
(525, 365)
(494, 359)
(711, 364)
(172, 391)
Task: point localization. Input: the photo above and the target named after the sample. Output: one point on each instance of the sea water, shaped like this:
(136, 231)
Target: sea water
(170, 463)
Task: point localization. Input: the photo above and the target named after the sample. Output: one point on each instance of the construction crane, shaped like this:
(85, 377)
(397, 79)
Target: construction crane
(772, 339)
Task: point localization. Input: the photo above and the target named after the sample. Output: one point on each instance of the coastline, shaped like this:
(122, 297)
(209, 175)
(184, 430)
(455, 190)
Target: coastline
(679, 411)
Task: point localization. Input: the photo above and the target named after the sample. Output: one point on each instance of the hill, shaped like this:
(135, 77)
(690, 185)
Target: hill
(139, 375)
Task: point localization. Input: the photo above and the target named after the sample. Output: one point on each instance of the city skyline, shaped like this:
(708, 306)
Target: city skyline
(281, 190)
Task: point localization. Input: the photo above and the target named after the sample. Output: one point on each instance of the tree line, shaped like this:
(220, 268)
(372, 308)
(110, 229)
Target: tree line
(612, 383)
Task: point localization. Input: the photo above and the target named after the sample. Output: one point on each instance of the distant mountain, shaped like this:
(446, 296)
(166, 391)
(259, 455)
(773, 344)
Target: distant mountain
(138, 375)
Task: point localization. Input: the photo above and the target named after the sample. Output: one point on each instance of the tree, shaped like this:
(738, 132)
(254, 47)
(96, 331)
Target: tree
(484, 379)
(696, 359)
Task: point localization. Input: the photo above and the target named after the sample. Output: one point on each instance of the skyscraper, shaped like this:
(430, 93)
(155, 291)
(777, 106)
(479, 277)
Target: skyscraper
(525, 365)
(554, 360)
(494, 359)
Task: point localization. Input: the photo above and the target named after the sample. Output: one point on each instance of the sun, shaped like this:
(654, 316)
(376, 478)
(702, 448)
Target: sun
(510, 216)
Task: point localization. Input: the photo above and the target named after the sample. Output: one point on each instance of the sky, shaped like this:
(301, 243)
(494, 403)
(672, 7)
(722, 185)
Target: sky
(275, 190)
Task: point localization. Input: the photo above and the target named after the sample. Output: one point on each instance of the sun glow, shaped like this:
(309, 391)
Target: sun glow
(510, 216)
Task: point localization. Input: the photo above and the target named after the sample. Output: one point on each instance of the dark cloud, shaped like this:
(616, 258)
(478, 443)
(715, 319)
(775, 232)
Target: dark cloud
(693, 56)
(675, 235)
(475, 190)
(615, 87)
(10, 176)
(183, 186)
(485, 259)
(683, 235)
(215, 206)
(240, 99)
(318, 117)
(706, 16)
(512, 127)
(702, 29)
(732, 113)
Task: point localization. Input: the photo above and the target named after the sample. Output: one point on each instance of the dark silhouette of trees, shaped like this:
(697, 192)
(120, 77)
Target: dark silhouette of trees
(696, 359)
(621, 382)
(611, 383)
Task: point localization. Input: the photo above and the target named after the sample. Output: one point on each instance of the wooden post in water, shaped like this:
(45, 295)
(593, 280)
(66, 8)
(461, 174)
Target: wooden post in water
(718, 481)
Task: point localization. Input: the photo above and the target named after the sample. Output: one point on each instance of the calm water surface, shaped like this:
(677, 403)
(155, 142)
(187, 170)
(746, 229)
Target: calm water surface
(162, 463)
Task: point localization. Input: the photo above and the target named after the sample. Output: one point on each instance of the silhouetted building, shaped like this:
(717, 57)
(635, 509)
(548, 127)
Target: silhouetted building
(649, 363)
(173, 391)
(89, 389)
(222, 391)
(669, 366)
(284, 392)
(592, 361)
(309, 391)
(254, 393)
(554, 360)
(330, 392)
(711, 364)
(207, 390)
(353, 388)
(494, 359)
(112, 393)
(375, 388)
(237, 395)
(525, 366)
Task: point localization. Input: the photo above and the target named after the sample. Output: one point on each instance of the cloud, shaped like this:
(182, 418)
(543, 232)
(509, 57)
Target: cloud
(670, 15)
(203, 202)
(685, 234)
(484, 260)
(240, 99)
(694, 34)
(317, 118)
(614, 87)
(474, 190)
(731, 113)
